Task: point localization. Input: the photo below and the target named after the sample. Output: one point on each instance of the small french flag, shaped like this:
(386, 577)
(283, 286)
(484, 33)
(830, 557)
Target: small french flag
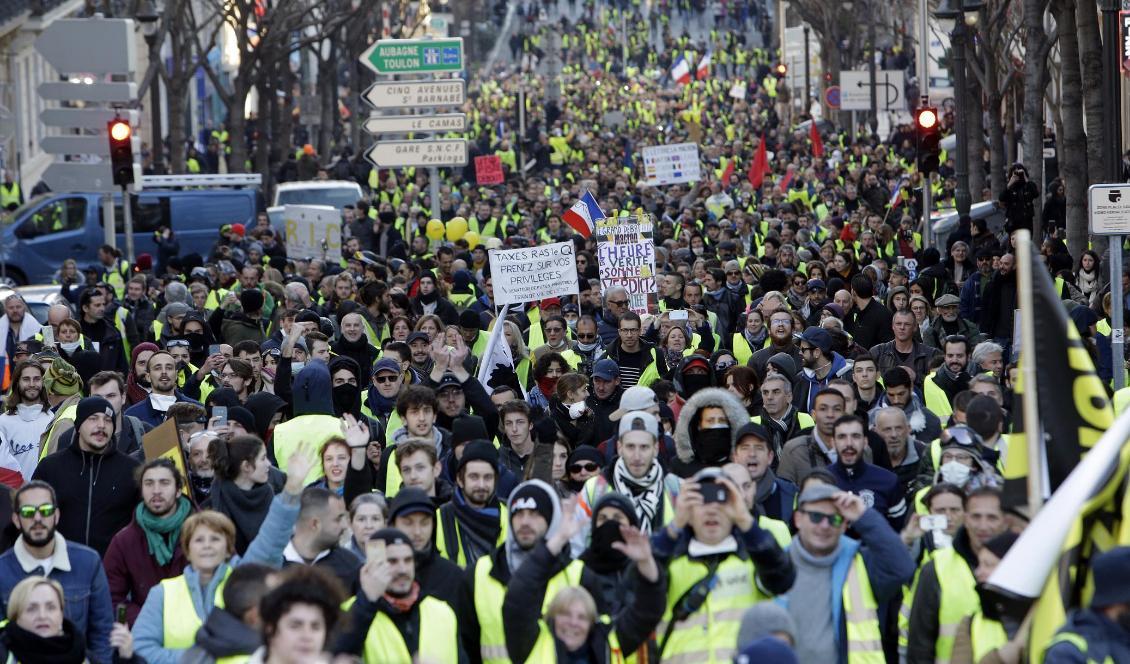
(703, 66)
(583, 215)
(681, 72)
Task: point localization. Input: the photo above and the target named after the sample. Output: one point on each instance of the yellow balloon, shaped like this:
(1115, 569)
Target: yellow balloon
(472, 239)
(456, 228)
(434, 230)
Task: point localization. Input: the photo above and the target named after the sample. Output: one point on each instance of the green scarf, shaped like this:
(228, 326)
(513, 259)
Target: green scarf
(161, 533)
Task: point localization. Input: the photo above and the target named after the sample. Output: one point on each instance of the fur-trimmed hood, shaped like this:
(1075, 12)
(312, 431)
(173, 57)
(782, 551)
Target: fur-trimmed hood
(735, 412)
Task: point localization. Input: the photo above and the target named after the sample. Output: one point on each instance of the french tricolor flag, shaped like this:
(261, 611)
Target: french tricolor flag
(681, 72)
(704, 66)
(583, 215)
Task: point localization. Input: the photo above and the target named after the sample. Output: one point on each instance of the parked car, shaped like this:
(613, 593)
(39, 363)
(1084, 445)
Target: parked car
(945, 221)
(40, 298)
(52, 227)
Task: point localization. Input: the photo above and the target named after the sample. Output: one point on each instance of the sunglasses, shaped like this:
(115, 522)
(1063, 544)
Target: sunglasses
(386, 379)
(619, 303)
(588, 467)
(45, 510)
(722, 366)
(729, 272)
(585, 337)
(834, 520)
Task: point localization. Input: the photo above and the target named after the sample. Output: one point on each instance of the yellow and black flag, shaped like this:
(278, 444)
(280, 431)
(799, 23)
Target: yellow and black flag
(1073, 409)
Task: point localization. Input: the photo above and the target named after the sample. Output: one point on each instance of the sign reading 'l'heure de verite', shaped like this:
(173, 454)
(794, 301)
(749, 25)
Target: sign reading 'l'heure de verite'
(414, 56)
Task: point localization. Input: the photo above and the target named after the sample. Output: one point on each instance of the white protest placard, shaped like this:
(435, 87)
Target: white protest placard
(626, 255)
(313, 231)
(671, 164)
(533, 273)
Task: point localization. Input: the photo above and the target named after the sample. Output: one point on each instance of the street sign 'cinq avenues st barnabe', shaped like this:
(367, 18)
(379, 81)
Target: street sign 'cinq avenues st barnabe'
(414, 56)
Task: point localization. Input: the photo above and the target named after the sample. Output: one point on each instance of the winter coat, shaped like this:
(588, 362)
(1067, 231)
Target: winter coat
(1106, 640)
(920, 357)
(806, 384)
(131, 570)
(869, 326)
(687, 462)
(222, 635)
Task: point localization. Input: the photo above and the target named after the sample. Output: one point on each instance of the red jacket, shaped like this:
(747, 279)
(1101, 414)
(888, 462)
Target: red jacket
(131, 570)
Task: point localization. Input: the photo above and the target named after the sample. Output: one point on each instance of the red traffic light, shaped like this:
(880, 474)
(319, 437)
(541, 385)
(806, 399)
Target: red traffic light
(120, 130)
(927, 118)
(782, 69)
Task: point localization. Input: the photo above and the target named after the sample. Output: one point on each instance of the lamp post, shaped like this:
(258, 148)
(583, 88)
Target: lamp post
(955, 10)
(150, 26)
(1112, 103)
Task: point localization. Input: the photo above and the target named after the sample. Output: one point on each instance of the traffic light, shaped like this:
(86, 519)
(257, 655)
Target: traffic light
(781, 70)
(929, 139)
(121, 151)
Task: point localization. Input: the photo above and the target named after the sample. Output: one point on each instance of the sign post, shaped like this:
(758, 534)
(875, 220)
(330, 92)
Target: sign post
(1109, 211)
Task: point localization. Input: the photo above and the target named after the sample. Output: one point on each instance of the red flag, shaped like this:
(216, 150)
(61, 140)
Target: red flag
(728, 172)
(760, 166)
(786, 180)
(817, 143)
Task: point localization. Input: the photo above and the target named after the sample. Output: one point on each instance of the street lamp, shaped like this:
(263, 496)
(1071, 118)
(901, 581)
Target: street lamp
(150, 27)
(955, 10)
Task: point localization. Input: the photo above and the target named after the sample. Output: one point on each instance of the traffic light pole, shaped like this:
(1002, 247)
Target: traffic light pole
(962, 197)
(127, 223)
(109, 233)
(927, 208)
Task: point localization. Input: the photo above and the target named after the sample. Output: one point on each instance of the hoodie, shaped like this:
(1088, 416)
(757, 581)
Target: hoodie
(263, 406)
(806, 384)
(222, 635)
(687, 428)
(312, 392)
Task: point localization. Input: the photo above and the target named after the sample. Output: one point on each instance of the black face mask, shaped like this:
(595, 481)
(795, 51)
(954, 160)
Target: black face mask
(694, 382)
(712, 446)
(345, 398)
(601, 557)
(386, 217)
(195, 342)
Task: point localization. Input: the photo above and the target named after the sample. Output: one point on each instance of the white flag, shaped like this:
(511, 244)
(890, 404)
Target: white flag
(497, 352)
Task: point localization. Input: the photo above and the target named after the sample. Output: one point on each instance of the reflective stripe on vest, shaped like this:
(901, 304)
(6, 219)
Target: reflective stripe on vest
(985, 635)
(66, 415)
(545, 648)
(861, 615)
(384, 643)
(179, 614)
(958, 598)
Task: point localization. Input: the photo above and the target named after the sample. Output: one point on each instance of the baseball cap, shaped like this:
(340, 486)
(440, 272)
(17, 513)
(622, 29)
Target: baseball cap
(817, 493)
(636, 397)
(418, 336)
(606, 369)
(448, 380)
(819, 337)
(410, 500)
(386, 364)
(638, 420)
(816, 284)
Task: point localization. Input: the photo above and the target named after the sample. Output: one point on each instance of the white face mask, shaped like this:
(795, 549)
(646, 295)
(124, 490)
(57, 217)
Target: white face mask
(295, 367)
(70, 346)
(576, 409)
(955, 472)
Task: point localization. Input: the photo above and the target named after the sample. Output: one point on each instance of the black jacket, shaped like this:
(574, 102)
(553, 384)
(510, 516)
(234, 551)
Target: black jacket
(222, 635)
(633, 625)
(342, 563)
(871, 325)
(96, 493)
(111, 353)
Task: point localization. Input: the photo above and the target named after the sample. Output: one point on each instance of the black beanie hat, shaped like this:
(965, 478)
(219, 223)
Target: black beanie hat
(251, 299)
(91, 405)
(620, 502)
(531, 496)
(466, 428)
(478, 450)
(391, 536)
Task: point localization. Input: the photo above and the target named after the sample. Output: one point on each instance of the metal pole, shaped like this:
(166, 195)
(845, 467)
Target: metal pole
(873, 121)
(927, 207)
(1118, 364)
(127, 213)
(853, 126)
(807, 76)
(155, 111)
(109, 234)
(1112, 112)
(624, 40)
(1028, 371)
(522, 129)
(924, 50)
(962, 197)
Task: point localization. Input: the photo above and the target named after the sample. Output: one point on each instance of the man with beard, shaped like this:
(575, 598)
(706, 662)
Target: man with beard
(162, 371)
(457, 391)
(820, 364)
(754, 451)
(15, 325)
(148, 549)
(879, 487)
(392, 620)
(322, 520)
(780, 341)
(354, 343)
(471, 524)
(942, 385)
(102, 495)
(101, 332)
(949, 323)
(605, 398)
(26, 416)
(41, 550)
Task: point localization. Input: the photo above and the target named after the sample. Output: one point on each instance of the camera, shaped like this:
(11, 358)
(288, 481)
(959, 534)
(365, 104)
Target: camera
(713, 492)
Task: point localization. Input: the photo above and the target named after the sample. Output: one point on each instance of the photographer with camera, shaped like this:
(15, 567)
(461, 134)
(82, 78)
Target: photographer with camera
(719, 562)
(1017, 199)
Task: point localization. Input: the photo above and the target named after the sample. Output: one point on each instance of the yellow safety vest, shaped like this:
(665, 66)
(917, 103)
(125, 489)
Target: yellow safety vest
(985, 635)
(306, 434)
(385, 645)
(864, 640)
(958, 592)
(742, 350)
(489, 595)
(67, 414)
(442, 525)
(179, 615)
(936, 400)
(9, 196)
(545, 648)
(709, 634)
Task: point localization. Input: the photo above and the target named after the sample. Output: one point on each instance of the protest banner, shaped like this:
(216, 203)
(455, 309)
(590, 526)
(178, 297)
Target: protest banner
(164, 441)
(626, 255)
(671, 164)
(313, 231)
(533, 273)
(488, 169)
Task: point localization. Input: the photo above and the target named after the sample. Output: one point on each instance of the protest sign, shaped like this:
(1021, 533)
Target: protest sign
(313, 231)
(533, 273)
(671, 164)
(626, 255)
(163, 441)
(488, 169)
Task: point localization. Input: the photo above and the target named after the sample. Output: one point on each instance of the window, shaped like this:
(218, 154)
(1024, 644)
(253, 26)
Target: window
(63, 214)
(148, 214)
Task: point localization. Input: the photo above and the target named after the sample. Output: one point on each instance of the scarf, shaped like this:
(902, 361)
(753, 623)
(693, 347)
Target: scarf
(1086, 281)
(404, 604)
(765, 486)
(161, 532)
(378, 404)
(24, 646)
(480, 527)
(756, 341)
(646, 494)
(247, 509)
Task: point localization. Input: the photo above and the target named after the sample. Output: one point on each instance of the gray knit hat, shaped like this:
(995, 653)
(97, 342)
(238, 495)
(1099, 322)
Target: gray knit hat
(765, 619)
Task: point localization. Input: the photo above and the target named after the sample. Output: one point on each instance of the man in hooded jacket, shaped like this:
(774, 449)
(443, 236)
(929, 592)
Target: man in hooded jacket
(707, 430)
(315, 420)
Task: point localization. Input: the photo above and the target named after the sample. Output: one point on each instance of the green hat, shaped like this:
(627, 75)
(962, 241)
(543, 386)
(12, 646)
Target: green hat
(62, 379)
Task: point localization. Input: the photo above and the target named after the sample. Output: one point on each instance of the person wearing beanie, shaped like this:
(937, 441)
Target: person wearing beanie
(766, 619)
(835, 573)
(245, 322)
(472, 523)
(985, 636)
(766, 649)
(101, 491)
(1100, 632)
(393, 619)
(617, 547)
(161, 369)
(462, 293)
(63, 386)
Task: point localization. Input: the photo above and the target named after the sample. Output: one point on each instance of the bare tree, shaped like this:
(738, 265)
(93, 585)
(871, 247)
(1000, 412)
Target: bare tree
(1073, 139)
(1038, 44)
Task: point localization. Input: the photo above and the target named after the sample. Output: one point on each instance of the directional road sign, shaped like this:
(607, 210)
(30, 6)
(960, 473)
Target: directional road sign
(1109, 208)
(402, 154)
(855, 90)
(75, 145)
(404, 124)
(414, 56)
(87, 118)
(89, 45)
(417, 94)
(119, 93)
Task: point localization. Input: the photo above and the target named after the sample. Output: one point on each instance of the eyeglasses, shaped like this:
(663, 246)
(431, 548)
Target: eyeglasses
(834, 520)
(630, 330)
(46, 510)
(722, 366)
(807, 349)
(729, 272)
(588, 467)
(618, 303)
(386, 379)
(781, 323)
